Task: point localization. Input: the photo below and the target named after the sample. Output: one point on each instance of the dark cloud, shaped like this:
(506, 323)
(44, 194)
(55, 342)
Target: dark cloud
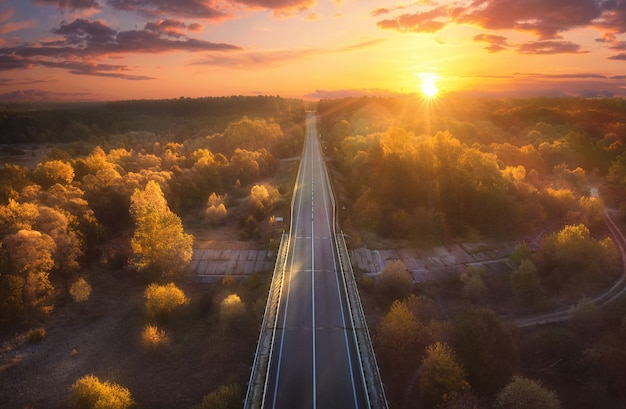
(279, 7)
(618, 57)
(549, 47)
(546, 19)
(169, 27)
(496, 43)
(419, 22)
(208, 10)
(85, 42)
(71, 4)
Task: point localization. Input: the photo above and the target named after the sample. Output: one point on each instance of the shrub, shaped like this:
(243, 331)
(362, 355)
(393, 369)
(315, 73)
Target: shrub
(154, 338)
(162, 300)
(395, 281)
(225, 397)
(36, 335)
(88, 392)
(80, 290)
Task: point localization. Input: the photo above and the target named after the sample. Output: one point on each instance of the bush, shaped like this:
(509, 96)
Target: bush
(36, 335)
(88, 392)
(154, 338)
(225, 397)
(162, 300)
(394, 282)
(80, 290)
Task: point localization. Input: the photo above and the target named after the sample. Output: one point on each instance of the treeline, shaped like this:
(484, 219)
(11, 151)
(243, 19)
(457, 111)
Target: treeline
(180, 118)
(468, 168)
(117, 200)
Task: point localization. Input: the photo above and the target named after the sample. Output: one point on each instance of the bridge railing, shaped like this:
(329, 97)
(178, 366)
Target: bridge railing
(258, 375)
(370, 374)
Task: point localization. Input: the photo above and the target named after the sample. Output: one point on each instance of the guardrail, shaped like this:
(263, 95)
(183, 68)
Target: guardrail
(257, 385)
(258, 375)
(370, 374)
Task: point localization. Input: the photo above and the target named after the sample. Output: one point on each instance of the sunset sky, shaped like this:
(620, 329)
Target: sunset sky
(147, 49)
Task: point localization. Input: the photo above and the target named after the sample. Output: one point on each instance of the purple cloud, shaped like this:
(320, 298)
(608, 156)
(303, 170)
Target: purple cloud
(208, 10)
(549, 47)
(71, 4)
(419, 22)
(496, 43)
(85, 42)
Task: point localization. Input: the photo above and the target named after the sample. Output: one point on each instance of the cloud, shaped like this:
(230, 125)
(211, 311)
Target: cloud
(208, 10)
(419, 22)
(618, 57)
(282, 8)
(361, 45)
(252, 59)
(547, 20)
(496, 43)
(549, 47)
(84, 43)
(71, 4)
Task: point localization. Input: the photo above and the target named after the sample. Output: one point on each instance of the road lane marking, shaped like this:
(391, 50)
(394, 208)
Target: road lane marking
(343, 319)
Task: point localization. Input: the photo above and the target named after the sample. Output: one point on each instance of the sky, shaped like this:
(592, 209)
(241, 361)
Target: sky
(153, 49)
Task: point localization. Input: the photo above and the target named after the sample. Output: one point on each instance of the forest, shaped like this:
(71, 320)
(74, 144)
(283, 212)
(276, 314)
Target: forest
(96, 242)
(423, 173)
(98, 237)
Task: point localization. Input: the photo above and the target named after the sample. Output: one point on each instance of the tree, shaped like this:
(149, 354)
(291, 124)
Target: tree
(159, 242)
(524, 393)
(163, 300)
(441, 376)
(485, 348)
(54, 171)
(225, 397)
(80, 290)
(397, 341)
(30, 261)
(215, 211)
(585, 316)
(525, 281)
(394, 282)
(89, 392)
(474, 287)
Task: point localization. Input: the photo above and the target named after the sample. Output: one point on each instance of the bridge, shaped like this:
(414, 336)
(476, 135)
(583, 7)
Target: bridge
(314, 348)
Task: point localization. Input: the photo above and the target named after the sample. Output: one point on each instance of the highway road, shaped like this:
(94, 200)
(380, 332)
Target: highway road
(314, 363)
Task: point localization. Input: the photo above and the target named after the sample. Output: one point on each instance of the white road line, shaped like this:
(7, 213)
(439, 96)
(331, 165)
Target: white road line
(343, 319)
(282, 337)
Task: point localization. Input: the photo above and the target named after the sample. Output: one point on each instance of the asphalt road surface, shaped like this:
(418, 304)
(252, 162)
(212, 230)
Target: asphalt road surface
(314, 363)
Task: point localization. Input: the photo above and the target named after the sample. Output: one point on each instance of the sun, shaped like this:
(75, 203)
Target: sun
(428, 84)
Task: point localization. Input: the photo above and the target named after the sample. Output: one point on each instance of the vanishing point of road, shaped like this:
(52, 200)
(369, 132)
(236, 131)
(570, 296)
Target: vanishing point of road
(314, 361)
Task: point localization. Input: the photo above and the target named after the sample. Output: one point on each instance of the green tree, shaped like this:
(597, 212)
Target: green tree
(225, 397)
(394, 282)
(524, 393)
(485, 348)
(525, 281)
(441, 376)
(89, 392)
(585, 316)
(159, 242)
